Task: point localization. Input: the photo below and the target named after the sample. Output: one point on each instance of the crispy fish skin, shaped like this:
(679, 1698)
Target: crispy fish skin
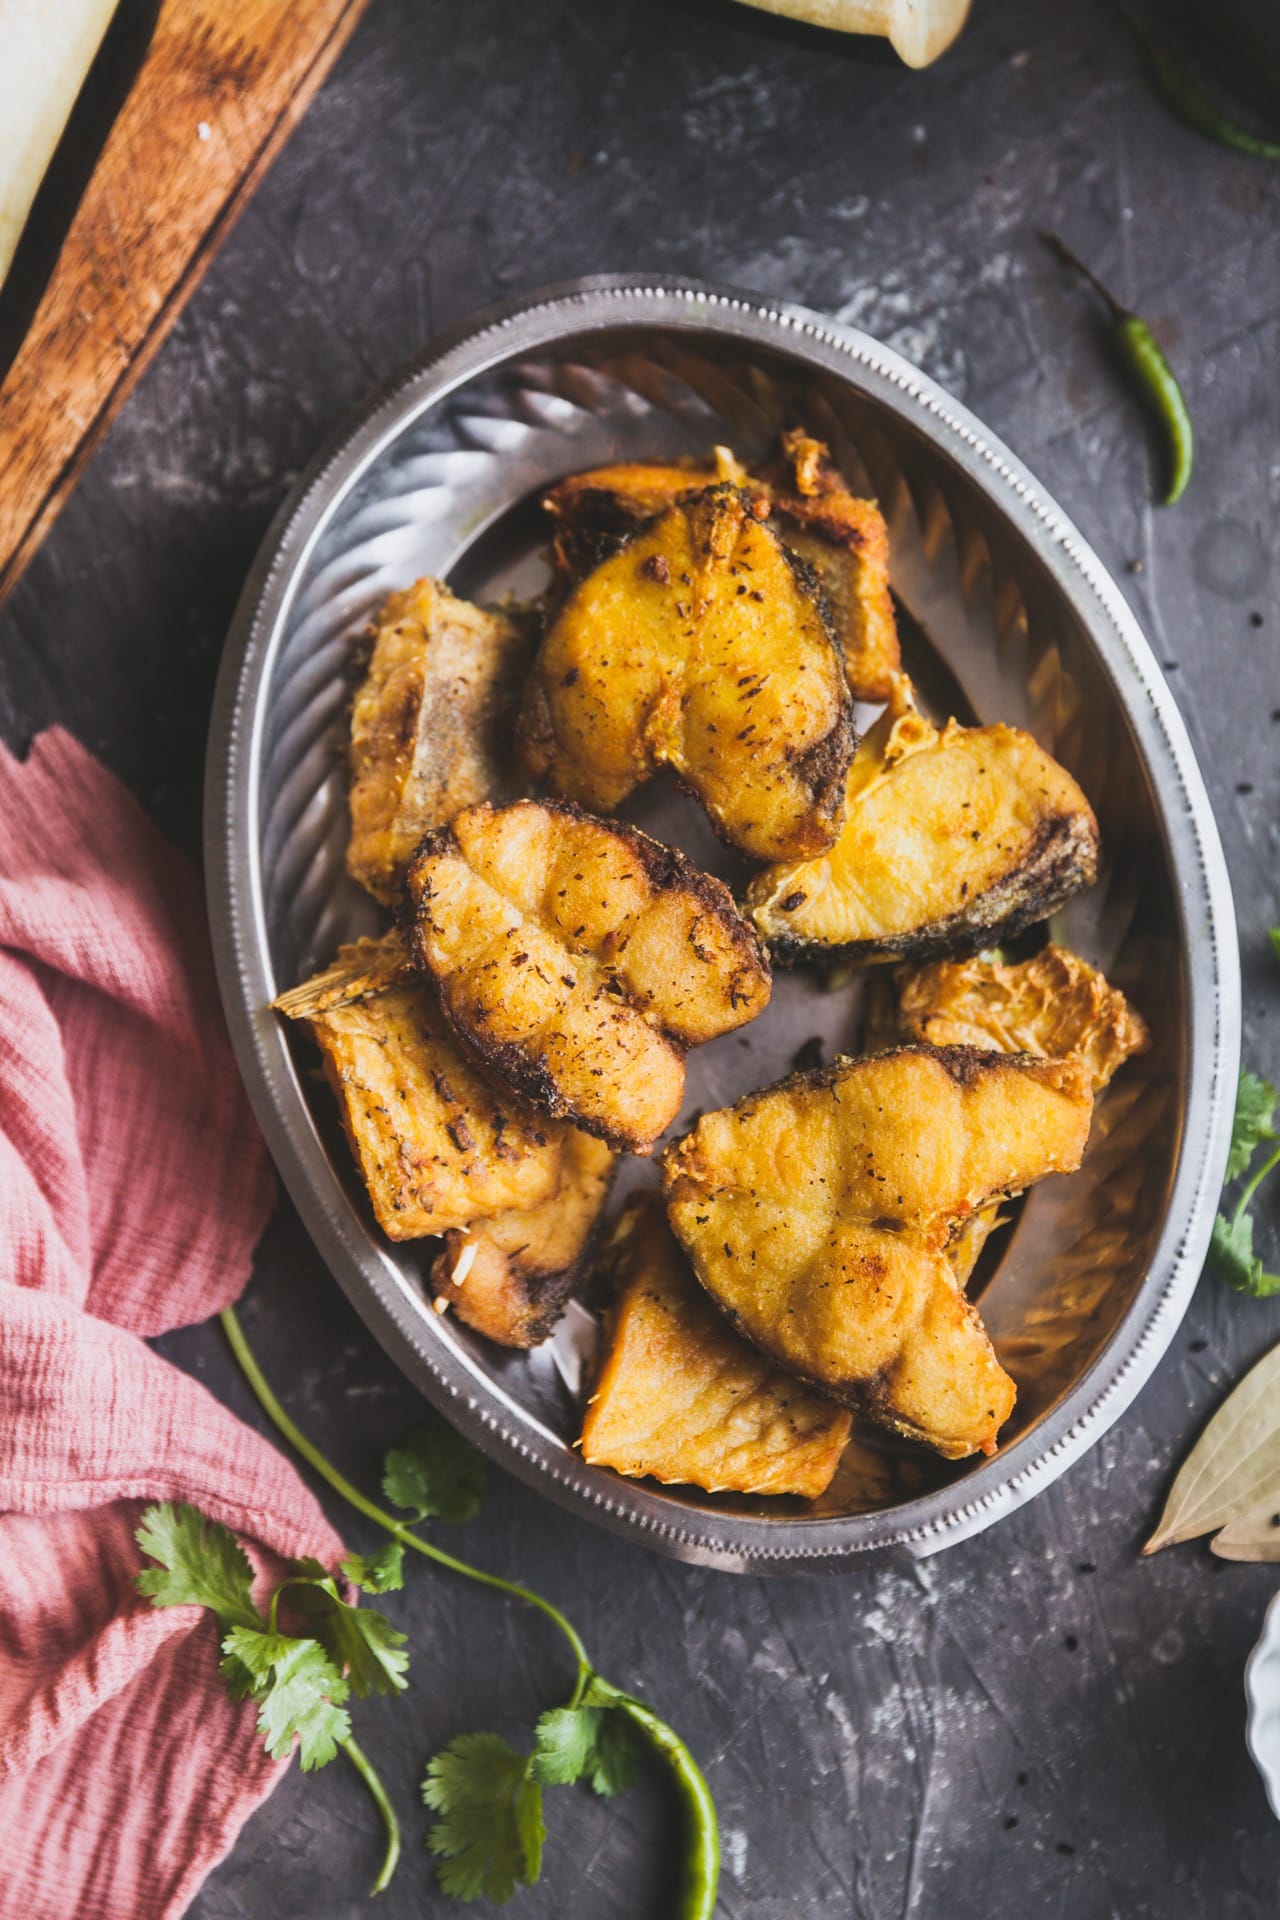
(430, 725)
(681, 1398)
(595, 512)
(704, 646)
(952, 840)
(818, 1213)
(579, 959)
(510, 1275)
(1054, 1005)
(435, 1141)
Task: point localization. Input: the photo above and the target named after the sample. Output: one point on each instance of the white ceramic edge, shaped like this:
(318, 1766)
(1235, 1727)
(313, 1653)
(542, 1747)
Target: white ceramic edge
(1266, 1648)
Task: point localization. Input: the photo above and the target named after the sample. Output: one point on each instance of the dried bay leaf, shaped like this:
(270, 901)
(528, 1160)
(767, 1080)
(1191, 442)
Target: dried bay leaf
(1254, 1536)
(1234, 1468)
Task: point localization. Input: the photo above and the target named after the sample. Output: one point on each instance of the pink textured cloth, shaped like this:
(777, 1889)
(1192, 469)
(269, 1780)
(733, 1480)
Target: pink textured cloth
(133, 1187)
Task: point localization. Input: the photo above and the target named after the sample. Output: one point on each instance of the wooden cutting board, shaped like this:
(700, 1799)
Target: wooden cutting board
(221, 85)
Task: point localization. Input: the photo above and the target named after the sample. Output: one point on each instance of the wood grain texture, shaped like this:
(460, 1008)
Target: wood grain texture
(223, 83)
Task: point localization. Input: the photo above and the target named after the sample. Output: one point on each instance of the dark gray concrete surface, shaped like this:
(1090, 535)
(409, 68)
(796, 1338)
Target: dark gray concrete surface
(1038, 1722)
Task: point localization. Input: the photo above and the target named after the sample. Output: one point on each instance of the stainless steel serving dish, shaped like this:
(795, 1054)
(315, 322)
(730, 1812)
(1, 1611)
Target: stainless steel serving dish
(1006, 614)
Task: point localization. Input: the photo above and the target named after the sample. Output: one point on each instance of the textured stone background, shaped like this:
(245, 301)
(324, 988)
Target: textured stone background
(1036, 1722)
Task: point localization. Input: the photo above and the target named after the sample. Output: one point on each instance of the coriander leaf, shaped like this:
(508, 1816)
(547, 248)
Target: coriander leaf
(358, 1640)
(490, 1833)
(381, 1572)
(368, 1646)
(565, 1739)
(614, 1754)
(435, 1473)
(1254, 1117)
(201, 1564)
(531, 1827)
(1274, 937)
(1233, 1259)
(587, 1742)
(300, 1693)
(236, 1677)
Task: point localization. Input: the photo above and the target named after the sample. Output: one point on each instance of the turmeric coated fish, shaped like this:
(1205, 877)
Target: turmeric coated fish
(436, 1141)
(953, 839)
(579, 959)
(818, 1214)
(430, 725)
(704, 646)
(683, 1398)
(510, 1275)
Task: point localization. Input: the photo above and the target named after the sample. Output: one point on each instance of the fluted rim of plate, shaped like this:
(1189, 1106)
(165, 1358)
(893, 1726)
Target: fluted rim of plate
(736, 1542)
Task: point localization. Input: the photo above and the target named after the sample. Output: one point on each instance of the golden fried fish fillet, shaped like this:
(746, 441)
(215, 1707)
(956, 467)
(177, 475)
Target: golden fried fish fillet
(1054, 1005)
(430, 725)
(818, 1214)
(702, 645)
(843, 538)
(682, 1398)
(846, 542)
(435, 1141)
(579, 959)
(510, 1275)
(952, 840)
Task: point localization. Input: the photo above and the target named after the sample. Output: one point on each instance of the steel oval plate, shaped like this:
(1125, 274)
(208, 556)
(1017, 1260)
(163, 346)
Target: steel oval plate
(1006, 613)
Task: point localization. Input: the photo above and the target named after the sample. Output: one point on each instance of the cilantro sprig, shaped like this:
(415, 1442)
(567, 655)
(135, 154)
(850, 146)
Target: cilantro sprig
(488, 1798)
(299, 1682)
(1231, 1254)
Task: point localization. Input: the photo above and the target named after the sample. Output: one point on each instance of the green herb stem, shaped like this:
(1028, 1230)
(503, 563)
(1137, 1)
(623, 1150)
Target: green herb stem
(378, 1794)
(338, 1481)
(1257, 1179)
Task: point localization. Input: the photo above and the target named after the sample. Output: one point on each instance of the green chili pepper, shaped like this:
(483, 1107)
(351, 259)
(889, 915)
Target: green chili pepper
(1150, 373)
(1192, 102)
(700, 1865)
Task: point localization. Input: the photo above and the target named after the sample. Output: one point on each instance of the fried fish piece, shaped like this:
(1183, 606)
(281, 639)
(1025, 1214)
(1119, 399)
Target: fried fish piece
(1054, 1005)
(846, 542)
(430, 725)
(580, 959)
(952, 840)
(818, 1214)
(510, 1275)
(843, 538)
(435, 1141)
(702, 645)
(682, 1398)
(595, 512)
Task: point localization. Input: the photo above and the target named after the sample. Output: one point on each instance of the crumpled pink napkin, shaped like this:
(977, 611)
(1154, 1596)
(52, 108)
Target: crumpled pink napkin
(133, 1187)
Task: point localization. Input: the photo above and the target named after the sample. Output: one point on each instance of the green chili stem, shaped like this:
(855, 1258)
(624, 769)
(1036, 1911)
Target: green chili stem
(338, 1481)
(1077, 265)
(1255, 1183)
(378, 1794)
